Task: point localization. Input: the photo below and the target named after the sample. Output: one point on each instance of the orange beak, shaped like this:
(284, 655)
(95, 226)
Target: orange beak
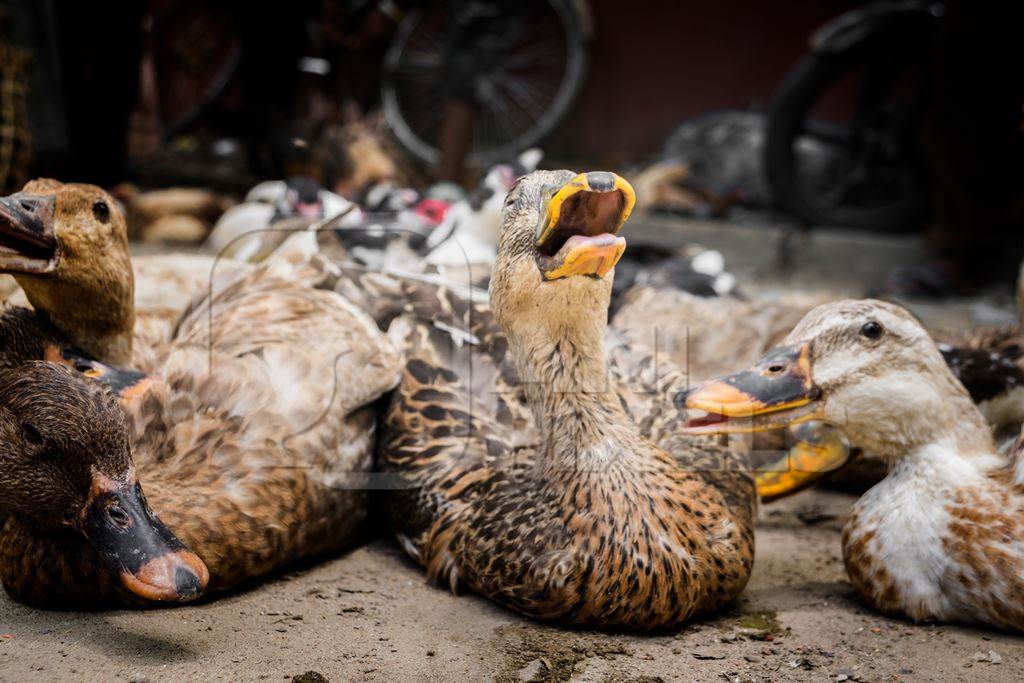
(578, 233)
(819, 450)
(778, 392)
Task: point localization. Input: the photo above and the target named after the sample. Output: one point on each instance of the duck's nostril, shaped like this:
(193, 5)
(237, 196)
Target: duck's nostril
(119, 516)
(186, 583)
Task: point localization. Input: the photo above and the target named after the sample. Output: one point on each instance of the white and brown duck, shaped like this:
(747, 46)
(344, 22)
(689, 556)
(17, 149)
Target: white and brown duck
(942, 536)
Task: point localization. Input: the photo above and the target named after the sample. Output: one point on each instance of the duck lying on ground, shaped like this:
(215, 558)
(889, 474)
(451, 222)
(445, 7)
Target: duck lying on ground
(250, 439)
(942, 536)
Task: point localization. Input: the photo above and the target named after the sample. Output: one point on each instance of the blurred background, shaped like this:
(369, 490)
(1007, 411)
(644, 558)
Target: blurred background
(893, 118)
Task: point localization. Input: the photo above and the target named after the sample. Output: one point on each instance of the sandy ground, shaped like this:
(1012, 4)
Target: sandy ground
(369, 615)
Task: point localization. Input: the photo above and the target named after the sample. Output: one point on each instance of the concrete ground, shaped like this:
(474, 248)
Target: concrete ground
(369, 615)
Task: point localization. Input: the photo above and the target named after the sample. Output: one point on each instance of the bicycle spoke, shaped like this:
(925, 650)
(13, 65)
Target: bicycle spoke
(414, 64)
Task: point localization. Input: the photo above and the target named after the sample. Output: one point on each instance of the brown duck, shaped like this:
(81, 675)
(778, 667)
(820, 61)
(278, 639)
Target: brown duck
(249, 451)
(540, 464)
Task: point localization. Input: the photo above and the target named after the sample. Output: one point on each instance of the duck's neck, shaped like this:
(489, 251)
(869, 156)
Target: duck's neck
(564, 370)
(951, 436)
(98, 320)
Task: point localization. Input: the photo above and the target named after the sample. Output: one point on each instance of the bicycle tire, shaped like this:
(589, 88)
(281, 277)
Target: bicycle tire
(572, 82)
(800, 89)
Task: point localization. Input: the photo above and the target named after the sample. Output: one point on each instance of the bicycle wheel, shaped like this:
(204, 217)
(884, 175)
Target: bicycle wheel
(528, 62)
(879, 184)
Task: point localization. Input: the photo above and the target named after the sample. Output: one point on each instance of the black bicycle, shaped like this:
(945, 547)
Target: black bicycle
(520, 63)
(875, 62)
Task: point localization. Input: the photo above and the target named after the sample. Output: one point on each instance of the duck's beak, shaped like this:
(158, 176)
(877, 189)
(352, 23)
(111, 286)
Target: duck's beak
(27, 242)
(576, 234)
(779, 391)
(819, 450)
(150, 560)
(127, 384)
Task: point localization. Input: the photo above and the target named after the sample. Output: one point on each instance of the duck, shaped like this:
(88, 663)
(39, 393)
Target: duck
(940, 538)
(135, 304)
(536, 460)
(74, 516)
(249, 450)
(989, 361)
(272, 210)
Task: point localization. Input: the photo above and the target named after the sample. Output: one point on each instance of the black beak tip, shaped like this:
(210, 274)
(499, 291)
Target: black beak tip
(601, 181)
(186, 583)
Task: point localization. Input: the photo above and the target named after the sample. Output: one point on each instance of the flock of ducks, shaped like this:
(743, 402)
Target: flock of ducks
(183, 425)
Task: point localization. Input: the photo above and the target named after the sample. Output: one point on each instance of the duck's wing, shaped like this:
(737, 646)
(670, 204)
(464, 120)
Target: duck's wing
(456, 420)
(286, 368)
(316, 350)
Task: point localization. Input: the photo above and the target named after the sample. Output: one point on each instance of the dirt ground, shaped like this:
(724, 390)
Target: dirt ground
(369, 614)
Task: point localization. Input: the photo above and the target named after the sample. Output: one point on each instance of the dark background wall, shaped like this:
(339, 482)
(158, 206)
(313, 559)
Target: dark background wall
(655, 63)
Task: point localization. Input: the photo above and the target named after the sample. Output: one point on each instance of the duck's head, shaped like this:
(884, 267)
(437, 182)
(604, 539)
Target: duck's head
(65, 460)
(67, 245)
(867, 367)
(558, 247)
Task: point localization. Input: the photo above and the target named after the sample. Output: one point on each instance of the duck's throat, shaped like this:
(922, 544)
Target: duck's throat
(100, 322)
(564, 372)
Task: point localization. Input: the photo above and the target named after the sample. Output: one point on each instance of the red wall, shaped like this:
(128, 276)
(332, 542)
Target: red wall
(655, 63)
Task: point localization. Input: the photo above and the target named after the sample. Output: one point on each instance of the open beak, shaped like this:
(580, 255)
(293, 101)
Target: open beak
(577, 234)
(819, 450)
(150, 560)
(777, 392)
(27, 242)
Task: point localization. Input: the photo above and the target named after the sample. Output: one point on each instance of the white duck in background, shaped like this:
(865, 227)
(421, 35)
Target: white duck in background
(468, 235)
(242, 231)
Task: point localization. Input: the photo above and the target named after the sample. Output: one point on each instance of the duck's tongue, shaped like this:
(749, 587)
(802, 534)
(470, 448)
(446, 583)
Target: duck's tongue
(585, 255)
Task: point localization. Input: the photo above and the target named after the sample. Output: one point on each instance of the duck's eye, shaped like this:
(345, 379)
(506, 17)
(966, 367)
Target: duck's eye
(872, 330)
(31, 434)
(101, 211)
(775, 369)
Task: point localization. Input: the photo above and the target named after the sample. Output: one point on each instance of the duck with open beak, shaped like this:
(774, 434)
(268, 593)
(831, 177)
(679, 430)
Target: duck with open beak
(577, 233)
(777, 392)
(27, 242)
